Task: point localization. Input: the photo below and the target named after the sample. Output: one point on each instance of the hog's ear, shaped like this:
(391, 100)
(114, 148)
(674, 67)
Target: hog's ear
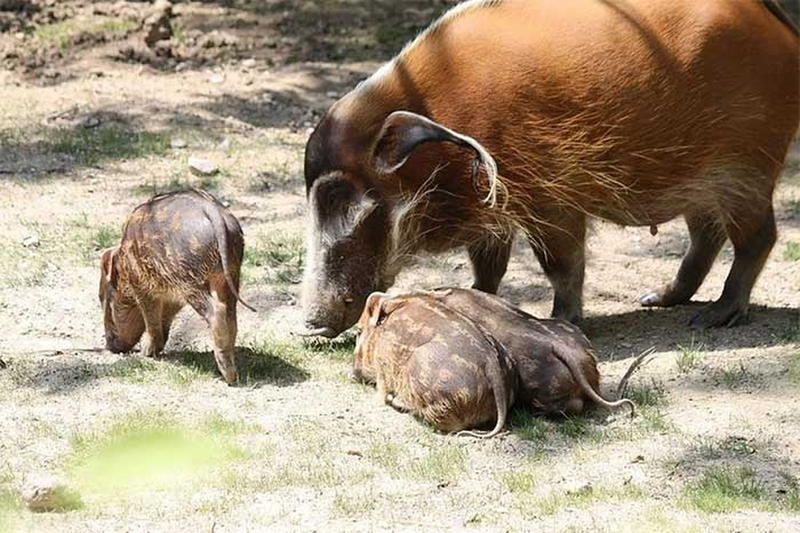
(108, 260)
(404, 131)
(374, 308)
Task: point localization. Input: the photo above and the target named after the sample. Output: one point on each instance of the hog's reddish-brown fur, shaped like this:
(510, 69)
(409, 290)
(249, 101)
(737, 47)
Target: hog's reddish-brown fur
(633, 111)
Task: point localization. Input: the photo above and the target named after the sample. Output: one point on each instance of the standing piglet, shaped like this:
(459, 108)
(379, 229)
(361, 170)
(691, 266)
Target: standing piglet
(556, 363)
(178, 248)
(429, 360)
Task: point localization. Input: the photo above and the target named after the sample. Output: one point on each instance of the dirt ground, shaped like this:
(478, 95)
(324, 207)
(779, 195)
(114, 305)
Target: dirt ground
(93, 121)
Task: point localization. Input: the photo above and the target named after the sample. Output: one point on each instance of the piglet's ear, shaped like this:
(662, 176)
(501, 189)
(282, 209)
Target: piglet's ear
(108, 260)
(374, 307)
(404, 131)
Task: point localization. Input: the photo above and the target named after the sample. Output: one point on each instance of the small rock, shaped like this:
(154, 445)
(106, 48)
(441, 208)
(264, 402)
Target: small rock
(202, 167)
(90, 122)
(224, 144)
(249, 63)
(217, 78)
(178, 143)
(46, 492)
(3, 364)
(638, 459)
(32, 241)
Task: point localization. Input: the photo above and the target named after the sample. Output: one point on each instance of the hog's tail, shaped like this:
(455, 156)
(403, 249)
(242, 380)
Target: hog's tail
(221, 234)
(566, 356)
(498, 383)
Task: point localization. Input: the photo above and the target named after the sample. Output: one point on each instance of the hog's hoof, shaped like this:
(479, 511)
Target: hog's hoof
(719, 315)
(651, 299)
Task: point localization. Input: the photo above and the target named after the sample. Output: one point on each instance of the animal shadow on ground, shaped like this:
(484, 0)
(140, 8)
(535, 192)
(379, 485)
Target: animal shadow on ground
(255, 367)
(666, 329)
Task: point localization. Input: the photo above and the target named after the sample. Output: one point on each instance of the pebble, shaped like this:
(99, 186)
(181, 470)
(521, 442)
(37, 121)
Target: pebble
(249, 63)
(178, 143)
(46, 493)
(202, 167)
(31, 241)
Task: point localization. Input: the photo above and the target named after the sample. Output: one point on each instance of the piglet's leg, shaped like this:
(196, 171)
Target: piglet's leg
(167, 316)
(219, 310)
(153, 340)
(396, 403)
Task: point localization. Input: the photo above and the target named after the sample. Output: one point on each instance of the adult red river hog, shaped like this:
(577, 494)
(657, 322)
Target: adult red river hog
(537, 115)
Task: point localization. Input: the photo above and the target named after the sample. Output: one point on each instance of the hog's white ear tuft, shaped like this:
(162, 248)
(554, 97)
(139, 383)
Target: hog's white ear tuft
(403, 132)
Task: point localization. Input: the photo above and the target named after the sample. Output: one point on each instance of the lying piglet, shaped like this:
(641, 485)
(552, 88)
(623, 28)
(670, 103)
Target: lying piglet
(555, 361)
(428, 360)
(177, 249)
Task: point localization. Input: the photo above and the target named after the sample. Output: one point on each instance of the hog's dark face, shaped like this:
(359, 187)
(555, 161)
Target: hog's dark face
(123, 322)
(355, 243)
(348, 247)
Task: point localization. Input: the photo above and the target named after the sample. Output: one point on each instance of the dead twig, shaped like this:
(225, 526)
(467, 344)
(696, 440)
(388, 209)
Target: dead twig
(642, 359)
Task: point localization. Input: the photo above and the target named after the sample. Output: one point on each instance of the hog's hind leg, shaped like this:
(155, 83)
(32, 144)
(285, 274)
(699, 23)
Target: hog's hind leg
(753, 234)
(219, 309)
(707, 237)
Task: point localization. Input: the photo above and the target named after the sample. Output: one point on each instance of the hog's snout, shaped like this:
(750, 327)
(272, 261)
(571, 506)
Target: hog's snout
(114, 345)
(328, 317)
(313, 330)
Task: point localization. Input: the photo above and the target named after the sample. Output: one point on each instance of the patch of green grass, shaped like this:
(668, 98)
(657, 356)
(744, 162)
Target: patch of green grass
(22, 267)
(519, 480)
(689, 357)
(442, 464)
(529, 427)
(280, 256)
(277, 361)
(580, 429)
(583, 497)
(730, 446)
(791, 498)
(385, 453)
(792, 251)
(354, 503)
(309, 463)
(9, 507)
(793, 368)
(145, 450)
(655, 519)
(133, 369)
(651, 394)
(67, 33)
(92, 146)
(726, 490)
(735, 375)
(179, 34)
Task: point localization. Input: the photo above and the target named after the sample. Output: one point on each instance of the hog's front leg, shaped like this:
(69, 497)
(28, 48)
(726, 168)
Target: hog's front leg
(152, 310)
